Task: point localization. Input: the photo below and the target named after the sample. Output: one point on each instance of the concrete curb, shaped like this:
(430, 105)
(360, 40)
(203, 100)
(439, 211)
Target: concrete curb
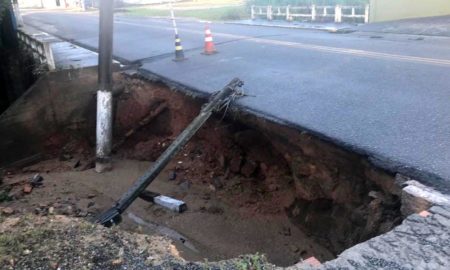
(325, 29)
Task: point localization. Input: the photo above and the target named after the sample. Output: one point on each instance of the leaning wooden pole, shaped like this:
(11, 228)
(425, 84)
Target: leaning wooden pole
(104, 93)
(113, 215)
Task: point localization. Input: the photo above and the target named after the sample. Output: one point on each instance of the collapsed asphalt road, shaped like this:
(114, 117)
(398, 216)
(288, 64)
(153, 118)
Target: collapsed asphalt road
(384, 97)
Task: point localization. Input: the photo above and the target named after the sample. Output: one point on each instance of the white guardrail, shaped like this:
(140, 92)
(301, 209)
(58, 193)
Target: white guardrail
(337, 13)
(40, 46)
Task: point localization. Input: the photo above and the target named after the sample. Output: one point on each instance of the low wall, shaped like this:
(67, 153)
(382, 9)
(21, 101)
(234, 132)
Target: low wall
(388, 10)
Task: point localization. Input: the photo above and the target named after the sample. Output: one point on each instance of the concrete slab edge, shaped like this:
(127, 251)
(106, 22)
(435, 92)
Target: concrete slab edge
(324, 29)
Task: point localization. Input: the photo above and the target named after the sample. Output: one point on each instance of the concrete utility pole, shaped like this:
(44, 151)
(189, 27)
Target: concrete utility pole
(104, 93)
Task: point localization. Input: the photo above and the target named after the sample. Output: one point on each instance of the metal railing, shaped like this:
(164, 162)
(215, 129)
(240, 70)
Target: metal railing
(336, 13)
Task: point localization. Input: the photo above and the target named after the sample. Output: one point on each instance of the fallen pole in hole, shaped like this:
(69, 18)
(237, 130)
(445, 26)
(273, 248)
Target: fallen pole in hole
(113, 215)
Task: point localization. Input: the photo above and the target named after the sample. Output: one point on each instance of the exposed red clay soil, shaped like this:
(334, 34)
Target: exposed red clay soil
(250, 185)
(287, 172)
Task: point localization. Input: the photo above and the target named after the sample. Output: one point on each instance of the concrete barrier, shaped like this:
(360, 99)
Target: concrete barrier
(39, 44)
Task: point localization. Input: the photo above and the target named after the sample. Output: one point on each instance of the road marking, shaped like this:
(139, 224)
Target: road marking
(299, 45)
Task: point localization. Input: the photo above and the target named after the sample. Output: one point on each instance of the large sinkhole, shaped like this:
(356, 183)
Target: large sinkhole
(250, 185)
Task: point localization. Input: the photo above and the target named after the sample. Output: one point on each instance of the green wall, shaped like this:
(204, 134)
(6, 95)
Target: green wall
(387, 10)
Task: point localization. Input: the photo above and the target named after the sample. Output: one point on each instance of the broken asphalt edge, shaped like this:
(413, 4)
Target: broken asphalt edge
(378, 160)
(391, 165)
(436, 216)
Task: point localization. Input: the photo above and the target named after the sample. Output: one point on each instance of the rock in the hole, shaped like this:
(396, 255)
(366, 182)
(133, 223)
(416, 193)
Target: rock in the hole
(68, 210)
(185, 185)
(76, 164)
(235, 164)
(172, 175)
(27, 188)
(272, 187)
(88, 164)
(65, 157)
(36, 180)
(222, 161)
(286, 231)
(217, 182)
(215, 210)
(249, 168)
(7, 211)
(15, 193)
(294, 248)
(264, 168)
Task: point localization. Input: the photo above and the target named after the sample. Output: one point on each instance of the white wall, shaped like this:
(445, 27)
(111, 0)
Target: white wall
(387, 10)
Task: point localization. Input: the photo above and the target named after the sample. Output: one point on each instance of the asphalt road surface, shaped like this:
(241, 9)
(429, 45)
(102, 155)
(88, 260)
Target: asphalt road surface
(384, 95)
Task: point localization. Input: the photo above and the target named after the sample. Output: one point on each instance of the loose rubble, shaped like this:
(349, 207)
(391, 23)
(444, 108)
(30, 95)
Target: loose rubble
(61, 242)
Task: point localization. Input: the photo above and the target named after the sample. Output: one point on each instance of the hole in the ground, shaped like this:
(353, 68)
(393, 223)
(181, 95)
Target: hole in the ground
(250, 185)
(254, 186)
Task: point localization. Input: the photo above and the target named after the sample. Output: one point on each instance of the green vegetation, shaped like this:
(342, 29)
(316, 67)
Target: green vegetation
(4, 197)
(16, 244)
(222, 10)
(210, 14)
(251, 262)
(209, 3)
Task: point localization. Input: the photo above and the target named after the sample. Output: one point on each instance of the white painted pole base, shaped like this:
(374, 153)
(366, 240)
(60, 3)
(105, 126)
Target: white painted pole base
(104, 131)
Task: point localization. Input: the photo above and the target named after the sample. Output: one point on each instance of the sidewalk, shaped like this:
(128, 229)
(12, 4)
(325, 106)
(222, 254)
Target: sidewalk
(431, 26)
(330, 27)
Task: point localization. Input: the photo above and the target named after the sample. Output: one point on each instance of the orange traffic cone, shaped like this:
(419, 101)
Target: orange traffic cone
(209, 44)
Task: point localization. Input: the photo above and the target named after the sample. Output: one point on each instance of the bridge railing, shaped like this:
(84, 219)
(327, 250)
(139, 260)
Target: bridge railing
(336, 13)
(40, 46)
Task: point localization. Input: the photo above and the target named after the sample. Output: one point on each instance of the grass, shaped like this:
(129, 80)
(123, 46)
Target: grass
(17, 243)
(209, 12)
(251, 262)
(202, 3)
